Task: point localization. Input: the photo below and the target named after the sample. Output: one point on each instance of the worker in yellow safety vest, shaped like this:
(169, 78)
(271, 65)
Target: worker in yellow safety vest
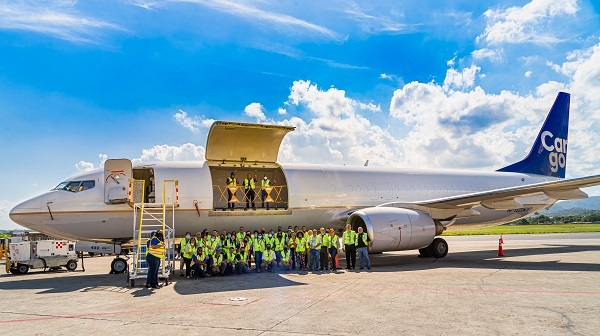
(258, 246)
(240, 262)
(249, 186)
(363, 242)
(349, 239)
(184, 241)
(186, 255)
(334, 245)
(286, 258)
(219, 264)
(269, 259)
(300, 251)
(324, 252)
(156, 252)
(231, 182)
(264, 184)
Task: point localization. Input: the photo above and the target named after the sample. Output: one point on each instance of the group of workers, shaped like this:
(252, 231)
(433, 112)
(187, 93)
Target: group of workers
(229, 253)
(249, 185)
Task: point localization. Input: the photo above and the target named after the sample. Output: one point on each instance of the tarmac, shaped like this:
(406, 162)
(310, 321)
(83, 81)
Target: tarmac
(544, 285)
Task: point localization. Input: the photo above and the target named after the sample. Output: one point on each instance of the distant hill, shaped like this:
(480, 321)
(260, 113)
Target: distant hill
(574, 207)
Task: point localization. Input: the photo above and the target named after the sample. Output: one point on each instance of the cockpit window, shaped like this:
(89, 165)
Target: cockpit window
(76, 186)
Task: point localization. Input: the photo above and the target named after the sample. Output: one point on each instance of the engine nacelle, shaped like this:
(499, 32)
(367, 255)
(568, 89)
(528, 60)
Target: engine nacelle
(395, 229)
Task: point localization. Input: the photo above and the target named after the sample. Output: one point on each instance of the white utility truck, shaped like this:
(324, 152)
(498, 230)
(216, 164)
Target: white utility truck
(52, 254)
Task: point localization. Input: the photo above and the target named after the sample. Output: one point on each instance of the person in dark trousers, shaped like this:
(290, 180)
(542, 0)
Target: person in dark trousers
(156, 252)
(249, 186)
(198, 264)
(324, 253)
(364, 246)
(349, 241)
(231, 182)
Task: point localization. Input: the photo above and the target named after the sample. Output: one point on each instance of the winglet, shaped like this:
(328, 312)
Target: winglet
(548, 156)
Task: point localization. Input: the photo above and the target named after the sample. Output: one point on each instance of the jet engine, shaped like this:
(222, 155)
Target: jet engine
(396, 229)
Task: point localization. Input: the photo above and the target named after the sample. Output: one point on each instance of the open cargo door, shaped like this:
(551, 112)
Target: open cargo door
(249, 151)
(242, 143)
(117, 173)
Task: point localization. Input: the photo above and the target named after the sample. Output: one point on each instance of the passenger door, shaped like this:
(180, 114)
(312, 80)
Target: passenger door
(117, 173)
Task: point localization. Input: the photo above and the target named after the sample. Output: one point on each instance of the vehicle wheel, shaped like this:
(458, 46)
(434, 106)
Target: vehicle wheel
(91, 254)
(22, 268)
(439, 248)
(14, 270)
(71, 265)
(425, 252)
(118, 265)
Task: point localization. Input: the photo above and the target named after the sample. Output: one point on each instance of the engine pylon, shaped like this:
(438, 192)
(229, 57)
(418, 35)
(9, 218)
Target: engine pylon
(500, 249)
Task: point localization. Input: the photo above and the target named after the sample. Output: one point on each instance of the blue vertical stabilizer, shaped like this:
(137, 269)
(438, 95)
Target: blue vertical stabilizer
(548, 156)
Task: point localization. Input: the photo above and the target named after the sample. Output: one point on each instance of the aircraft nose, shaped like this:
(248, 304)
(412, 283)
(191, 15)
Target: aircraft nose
(27, 213)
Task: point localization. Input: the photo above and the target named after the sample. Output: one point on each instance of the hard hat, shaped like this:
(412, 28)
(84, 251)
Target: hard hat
(232, 173)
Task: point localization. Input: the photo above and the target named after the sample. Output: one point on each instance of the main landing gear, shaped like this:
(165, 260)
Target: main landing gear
(437, 249)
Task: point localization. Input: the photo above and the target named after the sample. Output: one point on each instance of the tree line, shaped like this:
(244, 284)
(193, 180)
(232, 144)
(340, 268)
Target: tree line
(588, 216)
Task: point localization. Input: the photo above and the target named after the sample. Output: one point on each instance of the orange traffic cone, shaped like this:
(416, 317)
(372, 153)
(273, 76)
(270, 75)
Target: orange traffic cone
(500, 250)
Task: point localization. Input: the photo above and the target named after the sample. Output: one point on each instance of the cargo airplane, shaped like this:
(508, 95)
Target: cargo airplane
(401, 209)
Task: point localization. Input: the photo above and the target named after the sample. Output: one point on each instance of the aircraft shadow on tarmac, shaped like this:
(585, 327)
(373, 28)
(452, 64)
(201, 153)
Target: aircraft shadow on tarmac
(487, 259)
(386, 262)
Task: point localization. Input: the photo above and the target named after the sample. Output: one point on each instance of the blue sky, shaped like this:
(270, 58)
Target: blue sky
(452, 84)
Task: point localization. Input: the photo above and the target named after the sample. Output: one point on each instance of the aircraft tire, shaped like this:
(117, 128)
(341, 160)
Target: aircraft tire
(438, 248)
(118, 266)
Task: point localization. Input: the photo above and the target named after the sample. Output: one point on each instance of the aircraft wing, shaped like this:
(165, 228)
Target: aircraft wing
(459, 206)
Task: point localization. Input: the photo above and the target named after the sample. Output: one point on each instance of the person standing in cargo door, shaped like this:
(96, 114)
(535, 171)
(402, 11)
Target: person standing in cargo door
(264, 184)
(249, 186)
(231, 183)
(156, 252)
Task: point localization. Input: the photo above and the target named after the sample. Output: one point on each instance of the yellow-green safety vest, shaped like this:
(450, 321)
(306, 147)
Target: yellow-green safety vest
(269, 255)
(334, 241)
(279, 243)
(217, 259)
(264, 183)
(349, 237)
(156, 250)
(249, 182)
(231, 182)
(285, 256)
(258, 245)
(300, 244)
(325, 240)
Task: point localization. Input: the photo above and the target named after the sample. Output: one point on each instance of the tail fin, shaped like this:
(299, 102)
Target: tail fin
(548, 156)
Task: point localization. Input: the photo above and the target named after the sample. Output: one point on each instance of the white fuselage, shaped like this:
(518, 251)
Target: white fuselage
(319, 196)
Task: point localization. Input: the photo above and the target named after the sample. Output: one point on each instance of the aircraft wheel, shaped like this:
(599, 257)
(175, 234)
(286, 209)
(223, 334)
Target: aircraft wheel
(439, 248)
(118, 265)
(71, 265)
(22, 268)
(424, 252)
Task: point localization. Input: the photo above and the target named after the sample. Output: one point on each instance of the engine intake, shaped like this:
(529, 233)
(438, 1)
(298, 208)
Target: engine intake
(396, 229)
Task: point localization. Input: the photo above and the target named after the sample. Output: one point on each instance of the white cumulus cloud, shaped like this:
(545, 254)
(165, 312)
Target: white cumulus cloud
(84, 166)
(255, 110)
(461, 79)
(185, 152)
(193, 123)
(525, 24)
